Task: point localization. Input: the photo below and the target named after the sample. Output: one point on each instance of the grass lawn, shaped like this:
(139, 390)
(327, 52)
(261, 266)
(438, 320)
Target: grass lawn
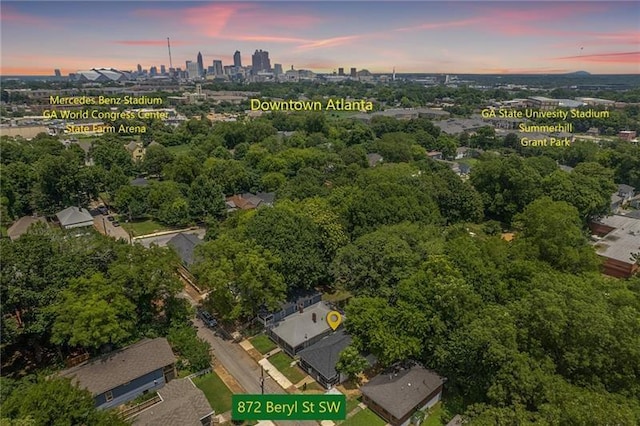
(352, 403)
(283, 362)
(217, 393)
(262, 343)
(313, 388)
(179, 149)
(143, 227)
(3, 231)
(435, 416)
(364, 418)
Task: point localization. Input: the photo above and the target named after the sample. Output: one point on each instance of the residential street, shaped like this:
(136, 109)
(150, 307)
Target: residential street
(243, 368)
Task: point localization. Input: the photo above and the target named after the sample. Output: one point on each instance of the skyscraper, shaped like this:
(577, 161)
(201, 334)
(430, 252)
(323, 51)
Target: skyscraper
(277, 69)
(340, 71)
(237, 59)
(353, 72)
(193, 70)
(139, 69)
(217, 67)
(200, 65)
(163, 70)
(57, 72)
(260, 61)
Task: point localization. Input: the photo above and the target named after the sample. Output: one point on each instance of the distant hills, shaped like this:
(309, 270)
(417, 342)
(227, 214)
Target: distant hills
(579, 73)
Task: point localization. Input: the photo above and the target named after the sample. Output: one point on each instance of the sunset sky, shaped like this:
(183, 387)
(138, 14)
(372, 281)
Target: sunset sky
(432, 37)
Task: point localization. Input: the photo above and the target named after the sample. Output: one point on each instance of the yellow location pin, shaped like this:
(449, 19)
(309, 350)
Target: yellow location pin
(334, 319)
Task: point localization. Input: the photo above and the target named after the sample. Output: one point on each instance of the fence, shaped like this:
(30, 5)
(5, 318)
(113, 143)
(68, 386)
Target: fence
(127, 413)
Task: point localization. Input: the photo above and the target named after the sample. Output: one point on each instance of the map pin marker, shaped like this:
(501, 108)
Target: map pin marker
(334, 319)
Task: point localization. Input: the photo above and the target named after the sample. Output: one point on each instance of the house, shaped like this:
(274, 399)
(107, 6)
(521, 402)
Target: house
(183, 404)
(185, 244)
(21, 226)
(397, 393)
(462, 152)
(296, 302)
(136, 150)
(435, 155)
(139, 181)
(319, 359)
(373, 159)
(248, 201)
(74, 217)
(617, 238)
(125, 374)
(626, 192)
(301, 329)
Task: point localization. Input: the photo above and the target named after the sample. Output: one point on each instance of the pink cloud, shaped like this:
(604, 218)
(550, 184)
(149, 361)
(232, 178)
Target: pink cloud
(10, 15)
(612, 58)
(271, 39)
(148, 42)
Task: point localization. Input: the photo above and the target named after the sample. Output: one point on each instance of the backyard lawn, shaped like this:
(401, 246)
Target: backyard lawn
(352, 403)
(364, 418)
(435, 416)
(217, 393)
(142, 227)
(283, 362)
(179, 149)
(262, 343)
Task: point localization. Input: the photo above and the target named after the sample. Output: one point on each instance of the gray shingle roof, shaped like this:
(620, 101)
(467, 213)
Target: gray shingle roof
(185, 245)
(324, 355)
(299, 327)
(399, 390)
(122, 366)
(183, 404)
(74, 215)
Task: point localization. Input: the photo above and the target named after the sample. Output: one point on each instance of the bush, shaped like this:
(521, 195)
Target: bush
(187, 344)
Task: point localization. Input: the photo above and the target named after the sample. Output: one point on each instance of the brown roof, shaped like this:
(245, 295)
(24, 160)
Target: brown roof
(243, 203)
(116, 368)
(21, 225)
(400, 390)
(183, 404)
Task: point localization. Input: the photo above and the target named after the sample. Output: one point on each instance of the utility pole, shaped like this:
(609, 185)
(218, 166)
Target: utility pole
(262, 379)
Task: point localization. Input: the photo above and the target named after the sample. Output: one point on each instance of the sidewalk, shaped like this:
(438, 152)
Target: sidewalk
(275, 374)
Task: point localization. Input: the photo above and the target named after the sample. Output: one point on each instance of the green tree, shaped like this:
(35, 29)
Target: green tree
(552, 231)
(92, 312)
(56, 402)
(156, 159)
(184, 340)
(351, 363)
(205, 198)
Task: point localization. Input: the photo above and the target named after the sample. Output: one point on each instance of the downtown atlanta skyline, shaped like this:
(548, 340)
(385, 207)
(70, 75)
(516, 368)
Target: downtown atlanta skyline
(414, 37)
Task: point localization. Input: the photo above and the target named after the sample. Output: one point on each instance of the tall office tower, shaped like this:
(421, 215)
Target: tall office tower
(237, 59)
(192, 70)
(163, 70)
(340, 71)
(57, 72)
(277, 69)
(139, 69)
(217, 67)
(153, 71)
(260, 61)
(211, 70)
(353, 72)
(200, 65)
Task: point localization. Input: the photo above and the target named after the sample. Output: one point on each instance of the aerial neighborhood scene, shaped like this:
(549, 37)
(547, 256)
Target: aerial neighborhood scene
(320, 213)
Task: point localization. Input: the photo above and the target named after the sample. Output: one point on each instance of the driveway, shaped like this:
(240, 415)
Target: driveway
(102, 224)
(243, 368)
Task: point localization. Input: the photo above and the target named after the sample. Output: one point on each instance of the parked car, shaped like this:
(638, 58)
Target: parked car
(110, 218)
(207, 318)
(115, 223)
(103, 210)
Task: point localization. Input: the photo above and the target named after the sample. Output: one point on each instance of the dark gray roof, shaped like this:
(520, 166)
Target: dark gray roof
(564, 168)
(625, 188)
(324, 355)
(139, 182)
(122, 366)
(184, 245)
(266, 197)
(399, 390)
(183, 404)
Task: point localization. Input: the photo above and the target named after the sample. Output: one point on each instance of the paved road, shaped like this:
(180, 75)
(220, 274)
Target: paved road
(106, 227)
(243, 368)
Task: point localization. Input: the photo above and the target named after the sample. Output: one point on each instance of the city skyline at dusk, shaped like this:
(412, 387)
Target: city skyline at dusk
(429, 37)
